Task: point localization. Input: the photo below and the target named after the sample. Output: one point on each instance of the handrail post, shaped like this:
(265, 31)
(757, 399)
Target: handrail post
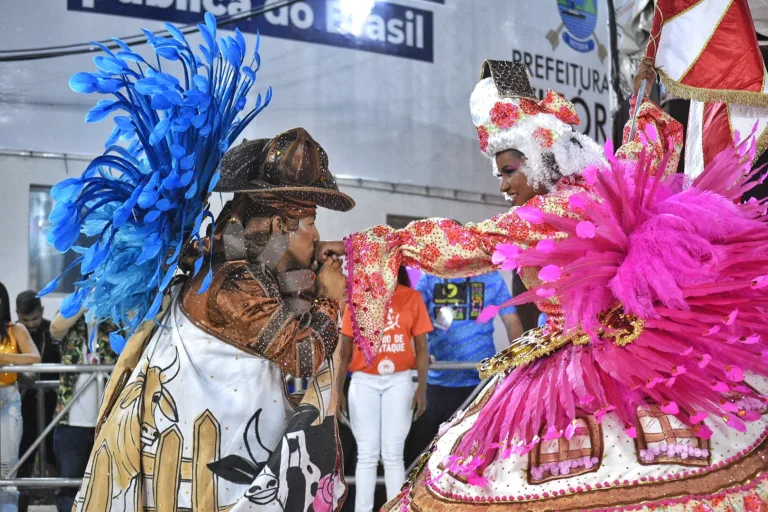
(42, 455)
(50, 427)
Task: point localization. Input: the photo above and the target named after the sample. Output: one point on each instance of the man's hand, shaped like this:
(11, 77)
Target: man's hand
(646, 72)
(330, 281)
(326, 249)
(341, 403)
(419, 403)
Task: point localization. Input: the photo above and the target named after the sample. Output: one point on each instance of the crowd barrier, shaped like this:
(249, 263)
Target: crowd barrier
(100, 373)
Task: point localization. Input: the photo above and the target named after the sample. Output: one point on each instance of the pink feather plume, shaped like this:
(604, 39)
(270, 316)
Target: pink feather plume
(686, 258)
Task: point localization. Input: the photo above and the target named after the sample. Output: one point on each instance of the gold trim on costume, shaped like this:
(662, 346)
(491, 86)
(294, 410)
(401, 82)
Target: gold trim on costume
(684, 11)
(622, 327)
(618, 326)
(740, 471)
(689, 92)
(530, 346)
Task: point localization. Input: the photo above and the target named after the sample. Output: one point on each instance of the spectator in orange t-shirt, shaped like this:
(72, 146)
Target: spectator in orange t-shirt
(382, 403)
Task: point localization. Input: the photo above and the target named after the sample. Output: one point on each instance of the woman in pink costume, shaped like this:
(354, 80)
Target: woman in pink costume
(645, 390)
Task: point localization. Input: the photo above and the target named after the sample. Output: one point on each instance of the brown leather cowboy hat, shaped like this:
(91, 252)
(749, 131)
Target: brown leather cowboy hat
(291, 165)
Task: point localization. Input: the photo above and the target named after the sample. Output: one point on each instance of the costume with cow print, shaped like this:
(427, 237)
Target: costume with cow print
(646, 389)
(197, 414)
(203, 420)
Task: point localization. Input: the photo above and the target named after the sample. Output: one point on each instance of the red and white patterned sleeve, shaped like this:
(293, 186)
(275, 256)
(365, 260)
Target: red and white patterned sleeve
(439, 247)
(656, 132)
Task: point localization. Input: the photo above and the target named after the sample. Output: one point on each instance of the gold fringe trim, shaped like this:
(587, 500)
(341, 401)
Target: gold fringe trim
(623, 329)
(688, 92)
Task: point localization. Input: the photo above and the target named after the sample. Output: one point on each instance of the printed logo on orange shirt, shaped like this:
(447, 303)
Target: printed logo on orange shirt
(392, 343)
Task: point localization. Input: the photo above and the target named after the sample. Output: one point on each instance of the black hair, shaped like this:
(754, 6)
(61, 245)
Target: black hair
(5, 312)
(403, 278)
(27, 302)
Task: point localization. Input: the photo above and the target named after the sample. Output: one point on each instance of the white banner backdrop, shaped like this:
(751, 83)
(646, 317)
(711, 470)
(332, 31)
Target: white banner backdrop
(565, 44)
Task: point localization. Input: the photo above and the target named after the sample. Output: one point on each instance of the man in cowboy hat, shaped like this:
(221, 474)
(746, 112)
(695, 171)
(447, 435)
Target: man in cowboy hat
(196, 414)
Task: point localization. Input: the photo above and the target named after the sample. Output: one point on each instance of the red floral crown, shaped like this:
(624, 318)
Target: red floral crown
(506, 114)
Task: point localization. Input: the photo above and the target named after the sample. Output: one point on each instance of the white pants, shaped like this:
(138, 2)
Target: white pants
(380, 413)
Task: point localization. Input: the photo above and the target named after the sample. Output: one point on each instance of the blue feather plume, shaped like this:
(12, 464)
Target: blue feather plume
(142, 200)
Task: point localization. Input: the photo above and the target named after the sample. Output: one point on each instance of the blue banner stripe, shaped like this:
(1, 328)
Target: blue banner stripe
(390, 29)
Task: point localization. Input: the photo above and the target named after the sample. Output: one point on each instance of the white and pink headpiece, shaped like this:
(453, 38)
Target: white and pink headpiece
(507, 115)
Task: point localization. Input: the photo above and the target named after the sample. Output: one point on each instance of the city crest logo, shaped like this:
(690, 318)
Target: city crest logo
(579, 19)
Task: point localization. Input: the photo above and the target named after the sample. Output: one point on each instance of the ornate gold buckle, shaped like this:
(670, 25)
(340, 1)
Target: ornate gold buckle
(617, 326)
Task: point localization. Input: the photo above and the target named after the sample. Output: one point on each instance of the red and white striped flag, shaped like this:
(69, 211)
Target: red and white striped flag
(707, 51)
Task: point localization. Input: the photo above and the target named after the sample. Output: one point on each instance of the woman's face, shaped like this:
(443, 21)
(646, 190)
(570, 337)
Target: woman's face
(513, 182)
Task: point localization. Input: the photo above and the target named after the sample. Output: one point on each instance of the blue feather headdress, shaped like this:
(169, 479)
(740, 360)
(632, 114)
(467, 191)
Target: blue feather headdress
(140, 202)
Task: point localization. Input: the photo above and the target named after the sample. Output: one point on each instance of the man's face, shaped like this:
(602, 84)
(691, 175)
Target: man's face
(31, 321)
(301, 248)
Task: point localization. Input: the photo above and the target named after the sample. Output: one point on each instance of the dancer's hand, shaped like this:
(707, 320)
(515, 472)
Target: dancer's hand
(645, 71)
(325, 249)
(330, 281)
(419, 403)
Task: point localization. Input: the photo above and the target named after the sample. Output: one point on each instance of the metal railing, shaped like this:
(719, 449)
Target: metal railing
(101, 372)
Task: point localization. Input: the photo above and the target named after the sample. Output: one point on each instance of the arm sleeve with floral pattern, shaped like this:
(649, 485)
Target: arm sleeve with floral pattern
(440, 247)
(270, 327)
(656, 132)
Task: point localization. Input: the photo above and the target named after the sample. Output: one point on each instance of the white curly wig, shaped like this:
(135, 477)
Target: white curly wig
(535, 129)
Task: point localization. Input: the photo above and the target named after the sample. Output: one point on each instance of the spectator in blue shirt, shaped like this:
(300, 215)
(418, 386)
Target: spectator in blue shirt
(454, 305)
